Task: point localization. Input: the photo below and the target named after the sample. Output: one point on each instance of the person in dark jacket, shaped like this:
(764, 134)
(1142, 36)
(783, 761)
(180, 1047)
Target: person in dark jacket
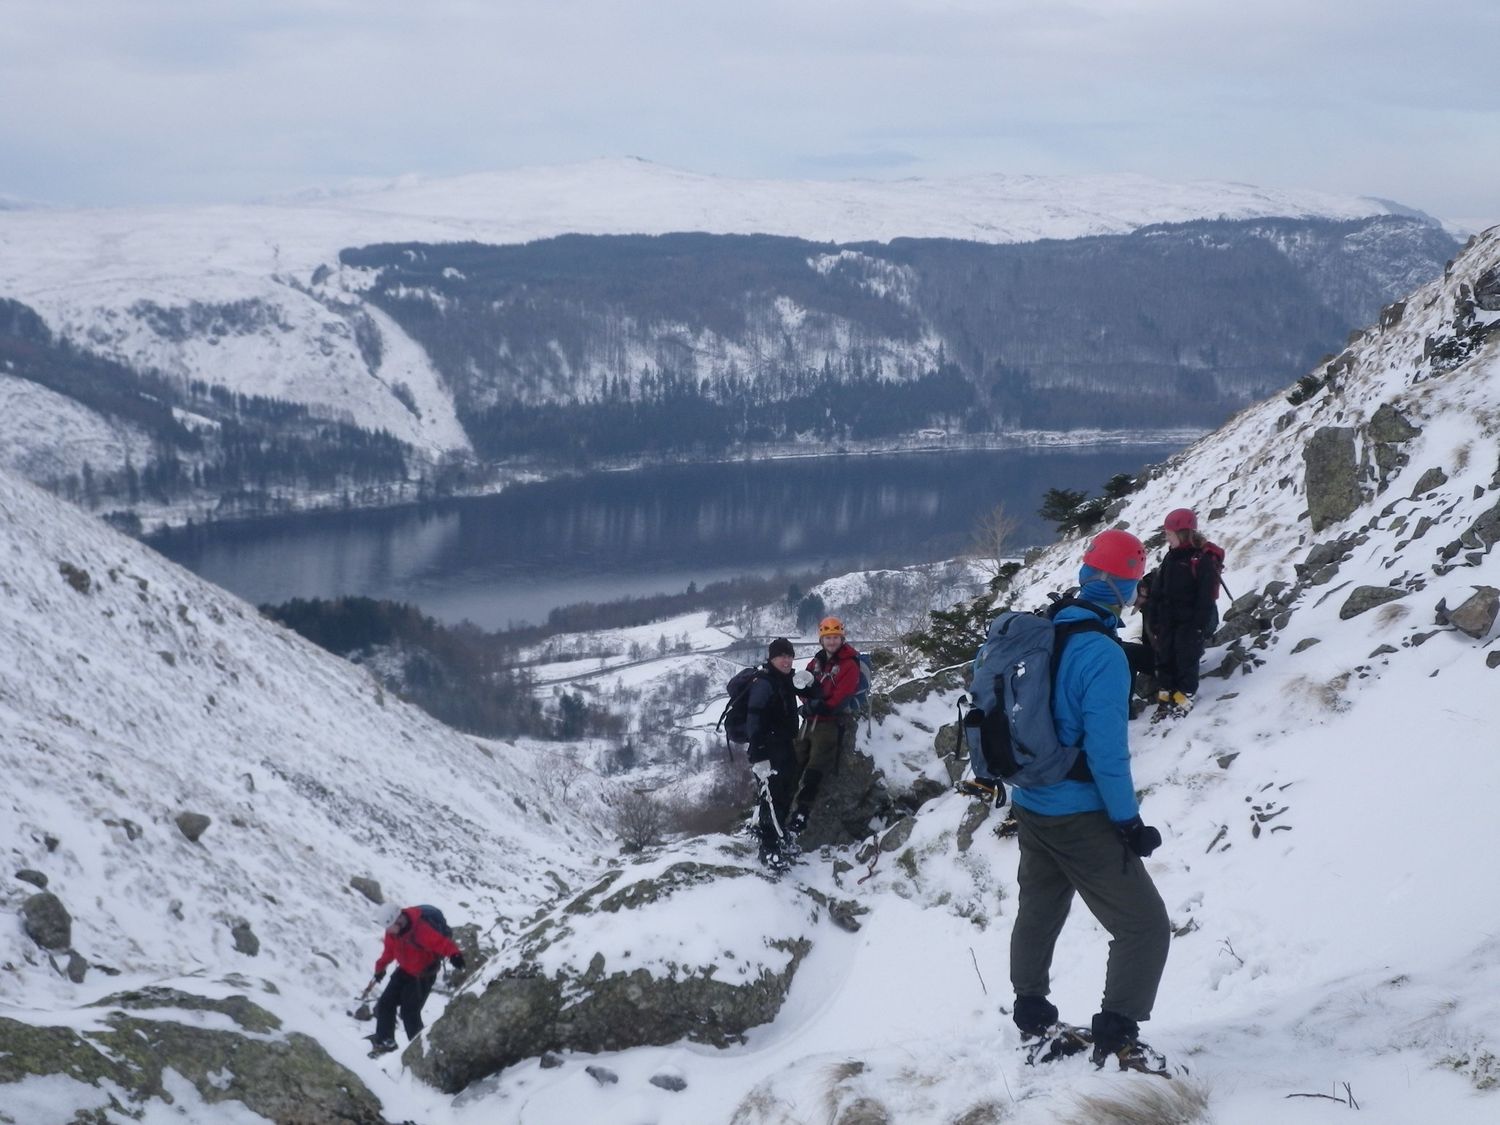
(1181, 610)
(1085, 837)
(771, 729)
(416, 947)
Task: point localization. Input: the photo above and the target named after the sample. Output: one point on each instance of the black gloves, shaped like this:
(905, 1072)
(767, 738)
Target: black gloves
(380, 974)
(1139, 837)
(457, 961)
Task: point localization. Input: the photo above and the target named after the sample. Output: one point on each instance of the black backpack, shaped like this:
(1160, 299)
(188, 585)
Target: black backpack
(735, 718)
(434, 918)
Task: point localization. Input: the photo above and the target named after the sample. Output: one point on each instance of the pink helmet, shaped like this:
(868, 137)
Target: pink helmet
(1117, 553)
(1180, 519)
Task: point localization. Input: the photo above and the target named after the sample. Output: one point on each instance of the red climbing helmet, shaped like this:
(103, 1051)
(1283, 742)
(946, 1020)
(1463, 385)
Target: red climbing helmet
(1117, 553)
(1180, 519)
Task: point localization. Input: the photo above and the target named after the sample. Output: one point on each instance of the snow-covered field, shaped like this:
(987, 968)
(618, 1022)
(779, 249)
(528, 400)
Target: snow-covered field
(1328, 818)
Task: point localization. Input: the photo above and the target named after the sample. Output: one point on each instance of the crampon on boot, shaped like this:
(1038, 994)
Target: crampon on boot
(1136, 1056)
(1059, 1041)
(1115, 1037)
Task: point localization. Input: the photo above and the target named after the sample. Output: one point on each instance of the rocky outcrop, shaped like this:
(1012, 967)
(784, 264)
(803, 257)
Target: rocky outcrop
(852, 799)
(1365, 598)
(1332, 476)
(47, 921)
(1476, 615)
(559, 993)
(368, 887)
(193, 825)
(1389, 431)
(286, 1078)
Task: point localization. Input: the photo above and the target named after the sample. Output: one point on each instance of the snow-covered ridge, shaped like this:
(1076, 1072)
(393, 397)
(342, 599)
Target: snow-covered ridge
(143, 246)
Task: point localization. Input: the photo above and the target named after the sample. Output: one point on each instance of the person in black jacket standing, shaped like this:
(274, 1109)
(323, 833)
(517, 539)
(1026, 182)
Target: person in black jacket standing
(1181, 610)
(771, 727)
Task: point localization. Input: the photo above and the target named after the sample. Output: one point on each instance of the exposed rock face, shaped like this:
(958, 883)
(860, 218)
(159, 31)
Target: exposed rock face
(245, 940)
(35, 878)
(370, 888)
(1389, 431)
(946, 743)
(1487, 290)
(47, 921)
(558, 996)
(288, 1079)
(1476, 616)
(193, 824)
(852, 798)
(1364, 598)
(1332, 476)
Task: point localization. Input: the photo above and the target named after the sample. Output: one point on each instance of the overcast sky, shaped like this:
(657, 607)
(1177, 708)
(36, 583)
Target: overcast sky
(140, 101)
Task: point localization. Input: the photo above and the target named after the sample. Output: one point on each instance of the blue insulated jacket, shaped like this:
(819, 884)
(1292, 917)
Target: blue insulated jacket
(1091, 708)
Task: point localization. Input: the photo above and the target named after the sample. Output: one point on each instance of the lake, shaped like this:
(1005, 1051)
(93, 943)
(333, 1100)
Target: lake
(512, 557)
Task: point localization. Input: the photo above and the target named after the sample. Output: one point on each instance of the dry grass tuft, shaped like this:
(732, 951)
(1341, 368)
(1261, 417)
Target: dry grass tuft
(1155, 1103)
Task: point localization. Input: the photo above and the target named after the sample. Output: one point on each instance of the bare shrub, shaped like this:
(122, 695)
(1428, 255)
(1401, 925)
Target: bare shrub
(559, 770)
(717, 808)
(992, 536)
(636, 816)
(1155, 1103)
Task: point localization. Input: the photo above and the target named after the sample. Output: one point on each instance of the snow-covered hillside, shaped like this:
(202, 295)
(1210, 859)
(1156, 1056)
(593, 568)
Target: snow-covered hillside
(130, 693)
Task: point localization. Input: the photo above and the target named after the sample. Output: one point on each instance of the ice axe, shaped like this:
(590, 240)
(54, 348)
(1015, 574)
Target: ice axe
(363, 1012)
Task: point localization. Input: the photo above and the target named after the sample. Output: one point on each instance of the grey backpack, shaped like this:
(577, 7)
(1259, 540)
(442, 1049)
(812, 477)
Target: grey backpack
(1009, 729)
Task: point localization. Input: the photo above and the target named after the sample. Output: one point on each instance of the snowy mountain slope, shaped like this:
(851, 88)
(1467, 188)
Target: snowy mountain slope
(132, 692)
(48, 436)
(222, 293)
(1328, 815)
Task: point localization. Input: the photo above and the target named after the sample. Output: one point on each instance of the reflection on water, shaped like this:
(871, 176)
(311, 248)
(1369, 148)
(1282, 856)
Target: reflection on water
(515, 556)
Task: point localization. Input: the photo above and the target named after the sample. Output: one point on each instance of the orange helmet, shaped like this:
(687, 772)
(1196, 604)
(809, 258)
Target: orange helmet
(830, 627)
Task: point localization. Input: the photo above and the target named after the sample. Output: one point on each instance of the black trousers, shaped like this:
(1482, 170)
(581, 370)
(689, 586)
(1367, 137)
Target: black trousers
(1179, 648)
(406, 993)
(783, 786)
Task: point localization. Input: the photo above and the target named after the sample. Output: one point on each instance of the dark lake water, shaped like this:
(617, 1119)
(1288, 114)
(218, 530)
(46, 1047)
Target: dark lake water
(512, 557)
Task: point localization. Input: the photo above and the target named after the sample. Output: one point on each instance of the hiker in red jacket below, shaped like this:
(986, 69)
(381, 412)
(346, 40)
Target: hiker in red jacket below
(416, 946)
(835, 672)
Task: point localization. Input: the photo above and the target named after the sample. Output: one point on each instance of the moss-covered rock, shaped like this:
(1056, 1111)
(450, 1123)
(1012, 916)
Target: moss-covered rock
(287, 1079)
(555, 996)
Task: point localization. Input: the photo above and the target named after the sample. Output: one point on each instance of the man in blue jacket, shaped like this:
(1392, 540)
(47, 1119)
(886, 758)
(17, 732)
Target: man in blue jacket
(1086, 837)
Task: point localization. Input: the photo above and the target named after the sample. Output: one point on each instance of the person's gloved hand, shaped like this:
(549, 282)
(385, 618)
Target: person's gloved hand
(380, 974)
(762, 769)
(457, 961)
(1138, 836)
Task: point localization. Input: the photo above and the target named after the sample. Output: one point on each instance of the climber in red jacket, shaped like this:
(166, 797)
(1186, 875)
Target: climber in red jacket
(414, 941)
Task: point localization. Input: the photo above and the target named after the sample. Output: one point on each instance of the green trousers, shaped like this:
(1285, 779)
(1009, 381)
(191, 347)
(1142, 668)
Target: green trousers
(818, 755)
(1082, 854)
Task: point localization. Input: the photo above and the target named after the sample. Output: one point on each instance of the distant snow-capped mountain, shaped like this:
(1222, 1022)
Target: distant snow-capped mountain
(323, 301)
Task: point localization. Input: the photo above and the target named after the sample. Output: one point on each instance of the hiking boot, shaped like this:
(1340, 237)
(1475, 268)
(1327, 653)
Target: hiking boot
(1182, 703)
(773, 861)
(1136, 1056)
(1061, 1041)
(380, 1046)
(1164, 697)
(1033, 1015)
